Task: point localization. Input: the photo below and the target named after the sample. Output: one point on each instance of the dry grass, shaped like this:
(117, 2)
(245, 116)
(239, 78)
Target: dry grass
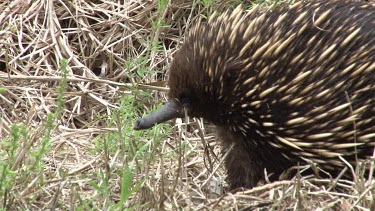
(87, 157)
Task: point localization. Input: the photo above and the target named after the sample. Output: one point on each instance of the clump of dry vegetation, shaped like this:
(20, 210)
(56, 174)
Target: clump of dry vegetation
(74, 76)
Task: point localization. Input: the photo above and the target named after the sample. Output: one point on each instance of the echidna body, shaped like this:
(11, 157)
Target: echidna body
(284, 86)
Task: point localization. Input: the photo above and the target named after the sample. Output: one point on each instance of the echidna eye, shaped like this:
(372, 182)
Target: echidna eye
(185, 101)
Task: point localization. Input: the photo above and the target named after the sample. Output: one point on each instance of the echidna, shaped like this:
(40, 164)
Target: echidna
(285, 86)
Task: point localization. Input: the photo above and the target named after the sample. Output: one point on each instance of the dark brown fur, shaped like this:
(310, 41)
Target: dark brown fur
(258, 97)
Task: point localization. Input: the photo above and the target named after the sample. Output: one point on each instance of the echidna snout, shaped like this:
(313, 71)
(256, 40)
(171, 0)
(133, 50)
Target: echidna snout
(171, 110)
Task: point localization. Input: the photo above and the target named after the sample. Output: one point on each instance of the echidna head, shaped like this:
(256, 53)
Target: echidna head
(186, 91)
(174, 108)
